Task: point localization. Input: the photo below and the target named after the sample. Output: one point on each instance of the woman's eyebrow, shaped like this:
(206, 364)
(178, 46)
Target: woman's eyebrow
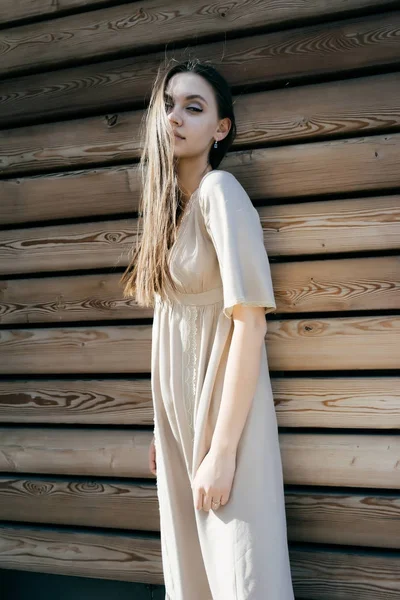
(189, 97)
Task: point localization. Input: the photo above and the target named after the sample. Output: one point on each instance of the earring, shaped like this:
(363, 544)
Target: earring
(215, 144)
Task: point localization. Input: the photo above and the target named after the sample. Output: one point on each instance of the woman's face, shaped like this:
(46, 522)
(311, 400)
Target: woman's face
(192, 111)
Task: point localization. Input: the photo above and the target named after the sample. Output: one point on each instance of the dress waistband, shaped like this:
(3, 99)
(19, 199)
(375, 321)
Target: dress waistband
(199, 299)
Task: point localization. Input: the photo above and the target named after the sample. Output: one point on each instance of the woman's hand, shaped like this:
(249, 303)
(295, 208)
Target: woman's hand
(152, 457)
(213, 480)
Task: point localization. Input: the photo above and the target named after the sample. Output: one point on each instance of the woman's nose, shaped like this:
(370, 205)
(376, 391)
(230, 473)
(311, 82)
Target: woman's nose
(174, 116)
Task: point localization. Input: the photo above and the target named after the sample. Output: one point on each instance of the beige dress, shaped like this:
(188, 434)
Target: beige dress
(239, 551)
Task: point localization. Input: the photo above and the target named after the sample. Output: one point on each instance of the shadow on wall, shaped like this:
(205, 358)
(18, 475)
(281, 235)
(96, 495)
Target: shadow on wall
(20, 585)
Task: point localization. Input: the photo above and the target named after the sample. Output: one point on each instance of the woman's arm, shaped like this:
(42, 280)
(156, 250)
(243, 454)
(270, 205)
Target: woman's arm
(241, 377)
(214, 477)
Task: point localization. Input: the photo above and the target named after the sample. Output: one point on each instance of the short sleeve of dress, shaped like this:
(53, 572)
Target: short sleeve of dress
(235, 229)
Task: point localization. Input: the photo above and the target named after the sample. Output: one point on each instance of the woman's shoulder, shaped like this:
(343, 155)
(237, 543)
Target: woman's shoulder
(219, 185)
(217, 181)
(217, 175)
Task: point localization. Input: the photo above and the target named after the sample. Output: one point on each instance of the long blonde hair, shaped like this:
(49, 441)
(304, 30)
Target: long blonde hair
(160, 203)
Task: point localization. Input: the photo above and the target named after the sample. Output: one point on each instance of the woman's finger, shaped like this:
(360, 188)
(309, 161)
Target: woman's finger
(207, 502)
(216, 503)
(199, 500)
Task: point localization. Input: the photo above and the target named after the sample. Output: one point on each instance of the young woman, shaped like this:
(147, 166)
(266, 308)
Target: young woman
(202, 264)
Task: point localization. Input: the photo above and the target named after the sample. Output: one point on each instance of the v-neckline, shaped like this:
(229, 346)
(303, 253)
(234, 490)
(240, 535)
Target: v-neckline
(186, 212)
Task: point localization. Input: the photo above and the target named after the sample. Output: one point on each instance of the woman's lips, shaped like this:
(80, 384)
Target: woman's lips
(179, 136)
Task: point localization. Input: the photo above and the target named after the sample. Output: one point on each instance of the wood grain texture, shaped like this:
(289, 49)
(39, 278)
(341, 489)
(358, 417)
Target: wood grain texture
(64, 195)
(299, 286)
(292, 344)
(334, 344)
(298, 172)
(120, 348)
(12, 11)
(308, 228)
(332, 226)
(351, 284)
(340, 459)
(63, 247)
(60, 299)
(341, 402)
(85, 401)
(346, 108)
(317, 573)
(312, 516)
(329, 459)
(330, 402)
(337, 518)
(337, 575)
(274, 59)
(146, 27)
(90, 452)
(82, 554)
(92, 503)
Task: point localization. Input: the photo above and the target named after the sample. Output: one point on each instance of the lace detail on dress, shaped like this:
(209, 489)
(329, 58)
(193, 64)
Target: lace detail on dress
(190, 375)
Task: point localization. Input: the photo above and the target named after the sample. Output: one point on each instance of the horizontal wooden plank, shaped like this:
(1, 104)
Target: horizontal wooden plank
(337, 518)
(313, 228)
(108, 244)
(129, 28)
(331, 344)
(331, 226)
(70, 194)
(341, 402)
(337, 575)
(317, 572)
(82, 554)
(109, 453)
(268, 58)
(356, 402)
(340, 459)
(92, 503)
(307, 112)
(304, 113)
(359, 106)
(11, 11)
(306, 286)
(80, 298)
(355, 460)
(85, 349)
(94, 401)
(321, 517)
(298, 171)
(332, 285)
(293, 344)
(295, 172)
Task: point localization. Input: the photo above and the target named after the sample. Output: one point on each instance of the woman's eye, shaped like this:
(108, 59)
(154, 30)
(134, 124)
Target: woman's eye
(169, 105)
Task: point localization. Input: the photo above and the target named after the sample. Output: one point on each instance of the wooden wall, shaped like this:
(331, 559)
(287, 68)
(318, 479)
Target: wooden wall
(317, 97)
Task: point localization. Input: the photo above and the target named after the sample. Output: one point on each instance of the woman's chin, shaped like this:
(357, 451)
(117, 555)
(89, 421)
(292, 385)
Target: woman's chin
(179, 152)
